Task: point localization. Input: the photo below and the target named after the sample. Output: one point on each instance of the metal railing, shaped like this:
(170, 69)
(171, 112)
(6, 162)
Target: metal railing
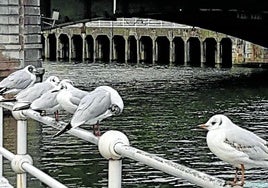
(113, 145)
(132, 23)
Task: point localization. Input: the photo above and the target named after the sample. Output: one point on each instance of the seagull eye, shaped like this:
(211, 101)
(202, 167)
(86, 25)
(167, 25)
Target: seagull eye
(213, 123)
(30, 69)
(115, 109)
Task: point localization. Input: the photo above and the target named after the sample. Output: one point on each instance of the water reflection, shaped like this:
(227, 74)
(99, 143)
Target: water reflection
(162, 108)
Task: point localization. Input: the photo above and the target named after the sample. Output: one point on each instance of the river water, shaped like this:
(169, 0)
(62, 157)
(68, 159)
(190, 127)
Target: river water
(163, 106)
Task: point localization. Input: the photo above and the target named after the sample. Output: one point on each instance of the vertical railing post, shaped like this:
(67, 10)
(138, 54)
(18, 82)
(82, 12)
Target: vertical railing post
(21, 156)
(21, 150)
(1, 140)
(106, 146)
(3, 181)
(115, 173)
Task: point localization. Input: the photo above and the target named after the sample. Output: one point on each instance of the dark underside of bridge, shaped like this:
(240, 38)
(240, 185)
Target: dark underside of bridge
(245, 19)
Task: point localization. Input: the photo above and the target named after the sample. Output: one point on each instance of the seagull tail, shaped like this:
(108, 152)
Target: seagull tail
(8, 100)
(66, 128)
(25, 107)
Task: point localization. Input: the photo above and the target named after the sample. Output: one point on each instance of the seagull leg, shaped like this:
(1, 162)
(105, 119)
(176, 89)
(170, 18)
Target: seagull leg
(56, 116)
(243, 175)
(96, 129)
(236, 174)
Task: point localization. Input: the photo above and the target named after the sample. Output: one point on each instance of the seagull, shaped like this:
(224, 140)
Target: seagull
(48, 101)
(69, 96)
(237, 146)
(101, 103)
(18, 80)
(25, 97)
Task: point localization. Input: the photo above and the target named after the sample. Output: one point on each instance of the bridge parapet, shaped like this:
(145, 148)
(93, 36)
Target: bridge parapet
(148, 32)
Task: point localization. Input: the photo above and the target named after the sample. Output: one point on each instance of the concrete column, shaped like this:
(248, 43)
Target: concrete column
(202, 58)
(111, 49)
(155, 51)
(218, 55)
(57, 47)
(138, 50)
(46, 47)
(126, 49)
(70, 48)
(96, 50)
(186, 49)
(83, 46)
(171, 52)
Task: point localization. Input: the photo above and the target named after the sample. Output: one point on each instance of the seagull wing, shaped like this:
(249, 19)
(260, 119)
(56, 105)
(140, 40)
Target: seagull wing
(92, 106)
(18, 79)
(248, 143)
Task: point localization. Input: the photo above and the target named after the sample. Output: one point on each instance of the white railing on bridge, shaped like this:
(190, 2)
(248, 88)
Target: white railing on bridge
(132, 23)
(113, 145)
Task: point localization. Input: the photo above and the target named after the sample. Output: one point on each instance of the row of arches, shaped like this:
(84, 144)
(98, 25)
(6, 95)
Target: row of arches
(144, 49)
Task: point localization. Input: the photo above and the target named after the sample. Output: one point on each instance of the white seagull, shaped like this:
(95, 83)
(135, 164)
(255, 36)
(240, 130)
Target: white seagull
(239, 147)
(48, 101)
(69, 96)
(18, 80)
(97, 105)
(28, 95)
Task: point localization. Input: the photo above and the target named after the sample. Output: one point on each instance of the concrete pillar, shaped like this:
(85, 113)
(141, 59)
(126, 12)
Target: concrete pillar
(57, 47)
(138, 50)
(171, 52)
(83, 46)
(186, 51)
(111, 49)
(70, 48)
(46, 47)
(202, 58)
(126, 50)
(218, 55)
(155, 50)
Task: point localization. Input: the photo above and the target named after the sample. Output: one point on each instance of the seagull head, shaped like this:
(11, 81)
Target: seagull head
(64, 84)
(30, 68)
(216, 122)
(54, 80)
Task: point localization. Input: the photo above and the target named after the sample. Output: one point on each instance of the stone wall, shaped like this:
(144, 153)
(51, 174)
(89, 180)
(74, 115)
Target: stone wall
(20, 34)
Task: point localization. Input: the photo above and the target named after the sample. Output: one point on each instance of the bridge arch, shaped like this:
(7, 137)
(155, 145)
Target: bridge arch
(146, 50)
(226, 52)
(162, 50)
(179, 51)
(119, 46)
(52, 43)
(194, 51)
(210, 51)
(77, 50)
(64, 47)
(132, 55)
(89, 48)
(102, 48)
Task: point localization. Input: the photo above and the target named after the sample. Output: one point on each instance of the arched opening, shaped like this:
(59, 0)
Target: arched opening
(226, 53)
(194, 52)
(77, 47)
(52, 47)
(210, 50)
(178, 45)
(119, 48)
(132, 51)
(89, 52)
(162, 50)
(103, 48)
(146, 49)
(64, 47)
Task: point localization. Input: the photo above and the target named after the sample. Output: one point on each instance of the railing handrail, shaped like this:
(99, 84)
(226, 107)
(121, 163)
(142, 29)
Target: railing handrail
(132, 23)
(114, 145)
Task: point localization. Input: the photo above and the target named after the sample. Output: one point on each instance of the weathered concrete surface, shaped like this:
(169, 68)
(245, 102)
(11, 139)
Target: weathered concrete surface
(20, 38)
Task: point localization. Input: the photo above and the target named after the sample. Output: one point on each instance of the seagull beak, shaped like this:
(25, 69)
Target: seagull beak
(203, 126)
